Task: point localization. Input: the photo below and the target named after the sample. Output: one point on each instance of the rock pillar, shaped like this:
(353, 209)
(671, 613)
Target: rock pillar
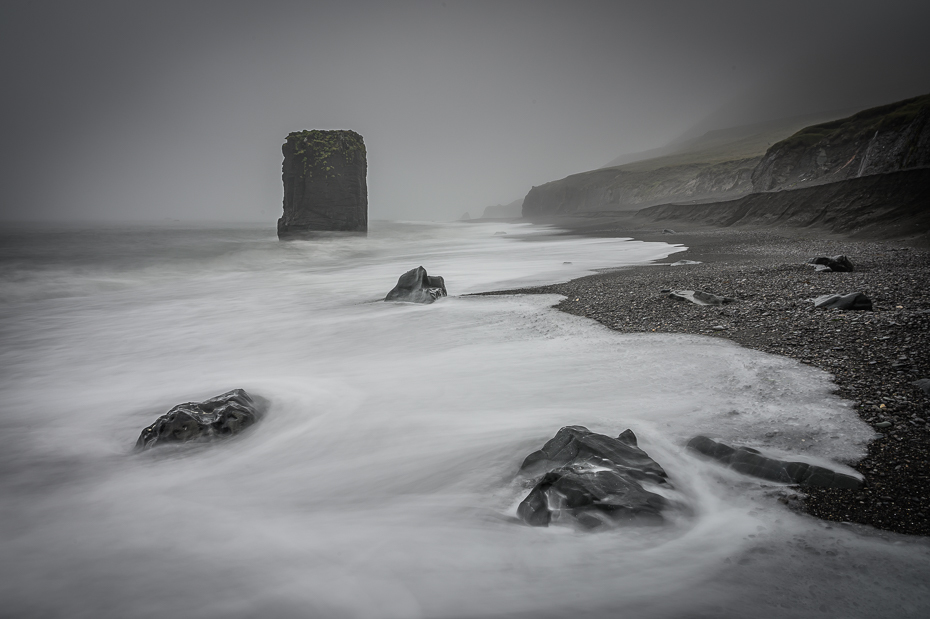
(325, 186)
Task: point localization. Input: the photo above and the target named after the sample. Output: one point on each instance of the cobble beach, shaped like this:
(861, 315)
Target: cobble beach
(874, 356)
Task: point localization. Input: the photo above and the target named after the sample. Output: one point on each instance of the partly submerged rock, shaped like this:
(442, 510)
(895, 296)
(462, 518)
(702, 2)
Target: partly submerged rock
(840, 264)
(415, 286)
(592, 479)
(750, 462)
(699, 297)
(851, 301)
(221, 416)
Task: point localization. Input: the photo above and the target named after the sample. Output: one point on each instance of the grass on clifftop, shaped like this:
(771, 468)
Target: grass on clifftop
(860, 125)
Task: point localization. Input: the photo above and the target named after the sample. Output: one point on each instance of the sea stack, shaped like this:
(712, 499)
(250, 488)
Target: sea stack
(325, 186)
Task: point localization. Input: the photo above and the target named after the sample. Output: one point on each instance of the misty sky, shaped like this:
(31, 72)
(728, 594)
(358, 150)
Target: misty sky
(163, 110)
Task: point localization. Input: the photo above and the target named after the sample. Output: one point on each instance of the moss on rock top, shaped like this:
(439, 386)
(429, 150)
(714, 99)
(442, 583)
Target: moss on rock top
(316, 147)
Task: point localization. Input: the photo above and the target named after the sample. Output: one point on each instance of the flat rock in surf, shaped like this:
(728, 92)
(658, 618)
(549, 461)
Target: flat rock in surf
(750, 462)
(415, 286)
(592, 480)
(219, 417)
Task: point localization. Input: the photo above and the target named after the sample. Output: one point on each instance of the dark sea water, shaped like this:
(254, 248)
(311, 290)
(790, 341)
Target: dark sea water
(382, 481)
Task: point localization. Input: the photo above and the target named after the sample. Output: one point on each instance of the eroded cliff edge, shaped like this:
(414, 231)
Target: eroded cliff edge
(325, 183)
(883, 140)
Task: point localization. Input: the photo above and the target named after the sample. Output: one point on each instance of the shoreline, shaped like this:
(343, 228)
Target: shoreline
(873, 356)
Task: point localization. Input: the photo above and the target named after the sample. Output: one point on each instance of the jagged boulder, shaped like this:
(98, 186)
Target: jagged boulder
(325, 184)
(592, 480)
(219, 417)
(750, 462)
(851, 301)
(839, 264)
(415, 286)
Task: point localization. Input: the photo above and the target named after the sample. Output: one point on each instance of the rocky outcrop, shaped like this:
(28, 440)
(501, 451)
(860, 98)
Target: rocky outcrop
(219, 417)
(592, 480)
(884, 139)
(325, 184)
(750, 462)
(415, 286)
(514, 210)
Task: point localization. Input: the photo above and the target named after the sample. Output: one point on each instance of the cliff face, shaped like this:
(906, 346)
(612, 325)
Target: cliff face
(734, 163)
(717, 165)
(325, 183)
(890, 205)
(629, 189)
(512, 210)
(875, 141)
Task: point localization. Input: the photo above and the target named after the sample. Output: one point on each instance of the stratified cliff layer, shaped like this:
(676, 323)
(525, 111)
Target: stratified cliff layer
(325, 183)
(879, 140)
(890, 205)
(715, 166)
(628, 189)
(868, 173)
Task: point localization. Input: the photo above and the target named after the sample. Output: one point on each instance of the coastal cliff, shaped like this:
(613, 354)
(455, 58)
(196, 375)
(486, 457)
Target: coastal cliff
(889, 138)
(722, 167)
(325, 183)
(892, 205)
(717, 165)
(628, 188)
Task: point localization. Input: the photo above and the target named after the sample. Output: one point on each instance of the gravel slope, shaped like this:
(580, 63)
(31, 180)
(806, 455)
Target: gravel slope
(874, 355)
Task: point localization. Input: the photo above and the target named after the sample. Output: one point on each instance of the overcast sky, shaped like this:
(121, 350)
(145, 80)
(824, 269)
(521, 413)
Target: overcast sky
(161, 110)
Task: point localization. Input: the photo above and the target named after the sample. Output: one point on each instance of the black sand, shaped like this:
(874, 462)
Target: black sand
(874, 356)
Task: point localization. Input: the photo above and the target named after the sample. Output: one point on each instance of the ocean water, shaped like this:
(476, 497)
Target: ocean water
(382, 482)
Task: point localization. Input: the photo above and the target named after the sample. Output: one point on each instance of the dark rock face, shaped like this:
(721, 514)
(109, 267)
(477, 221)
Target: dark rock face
(325, 184)
(415, 286)
(839, 264)
(631, 187)
(221, 416)
(851, 301)
(592, 480)
(886, 205)
(750, 462)
(879, 140)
